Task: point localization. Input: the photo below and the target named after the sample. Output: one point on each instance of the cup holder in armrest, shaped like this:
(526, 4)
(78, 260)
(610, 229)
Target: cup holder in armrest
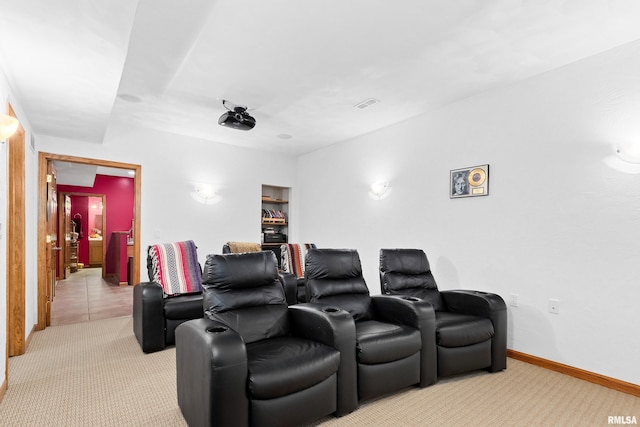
(480, 292)
(216, 329)
(330, 309)
(408, 298)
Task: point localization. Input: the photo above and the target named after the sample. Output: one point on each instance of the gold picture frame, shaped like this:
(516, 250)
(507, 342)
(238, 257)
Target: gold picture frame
(469, 182)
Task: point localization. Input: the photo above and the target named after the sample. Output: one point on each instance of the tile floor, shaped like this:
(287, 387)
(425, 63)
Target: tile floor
(85, 296)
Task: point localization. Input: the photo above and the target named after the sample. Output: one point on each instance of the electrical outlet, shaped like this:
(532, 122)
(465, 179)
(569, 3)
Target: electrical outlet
(513, 300)
(554, 306)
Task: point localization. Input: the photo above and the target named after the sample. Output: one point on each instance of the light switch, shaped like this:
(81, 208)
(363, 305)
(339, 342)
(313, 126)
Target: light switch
(513, 300)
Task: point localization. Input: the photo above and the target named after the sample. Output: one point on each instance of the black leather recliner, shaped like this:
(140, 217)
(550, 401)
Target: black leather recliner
(471, 326)
(156, 316)
(255, 361)
(391, 332)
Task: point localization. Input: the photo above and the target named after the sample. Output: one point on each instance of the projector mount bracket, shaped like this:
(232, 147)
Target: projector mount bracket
(233, 107)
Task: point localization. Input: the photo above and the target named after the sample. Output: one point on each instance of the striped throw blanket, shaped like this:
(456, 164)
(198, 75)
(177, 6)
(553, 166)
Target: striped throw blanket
(175, 267)
(293, 255)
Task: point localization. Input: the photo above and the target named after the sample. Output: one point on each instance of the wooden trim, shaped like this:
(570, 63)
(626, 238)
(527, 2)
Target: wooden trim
(3, 389)
(43, 158)
(15, 242)
(42, 242)
(62, 194)
(591, 377)
(61, 243)
(137, 200)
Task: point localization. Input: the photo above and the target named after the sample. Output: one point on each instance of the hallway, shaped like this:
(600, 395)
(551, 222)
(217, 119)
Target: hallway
(85, 296)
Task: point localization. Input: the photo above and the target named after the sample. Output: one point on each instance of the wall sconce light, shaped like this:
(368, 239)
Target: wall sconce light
(379, 190)
(629, 153)
(8, 126)
(205, 194)
(625, 159)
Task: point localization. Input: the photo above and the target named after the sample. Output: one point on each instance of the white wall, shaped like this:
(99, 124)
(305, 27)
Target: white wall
(558, 223)
(171, 165)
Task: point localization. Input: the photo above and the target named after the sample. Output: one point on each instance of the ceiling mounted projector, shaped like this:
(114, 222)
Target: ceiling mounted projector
(236, 118)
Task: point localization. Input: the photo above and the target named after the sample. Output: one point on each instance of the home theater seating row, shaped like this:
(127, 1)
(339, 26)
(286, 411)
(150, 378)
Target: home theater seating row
(255, 360)
(390, 331)
(249, 354)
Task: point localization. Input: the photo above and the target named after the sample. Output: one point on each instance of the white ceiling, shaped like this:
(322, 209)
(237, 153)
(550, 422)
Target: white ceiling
(79, 67)
(84, 175)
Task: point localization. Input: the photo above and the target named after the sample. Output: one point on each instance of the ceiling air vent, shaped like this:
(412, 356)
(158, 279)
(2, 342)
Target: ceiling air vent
(366, 103)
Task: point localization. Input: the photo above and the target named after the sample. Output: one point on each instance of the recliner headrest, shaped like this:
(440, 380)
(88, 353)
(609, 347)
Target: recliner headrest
(407, 272)
(236, 271)
(334, 277)
(236, 281)
(405, 261)
(333, 264)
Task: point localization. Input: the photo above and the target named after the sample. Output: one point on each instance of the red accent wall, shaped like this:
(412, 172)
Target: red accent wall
(118, 211)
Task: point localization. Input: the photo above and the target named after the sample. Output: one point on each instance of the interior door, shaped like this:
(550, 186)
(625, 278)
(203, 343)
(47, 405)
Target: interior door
(52, 243)
(65, 238)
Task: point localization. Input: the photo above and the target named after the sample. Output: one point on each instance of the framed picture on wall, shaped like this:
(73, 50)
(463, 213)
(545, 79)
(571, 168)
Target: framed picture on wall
(469, 182)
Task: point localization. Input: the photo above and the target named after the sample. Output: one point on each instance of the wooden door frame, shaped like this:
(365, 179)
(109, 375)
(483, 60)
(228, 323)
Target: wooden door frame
(43, 158)
(15, 242)
(103, 226)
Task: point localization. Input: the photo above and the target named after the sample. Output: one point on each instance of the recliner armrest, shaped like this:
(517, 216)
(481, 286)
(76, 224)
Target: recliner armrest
(488, 305)
(334, 327)
(211, 367)
(290, 284)
(405, 310)
(477, 303)
(419, 314)
(148, 316)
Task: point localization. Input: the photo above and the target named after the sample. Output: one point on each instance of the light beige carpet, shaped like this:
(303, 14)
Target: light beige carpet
(94, 374)
(91, 374)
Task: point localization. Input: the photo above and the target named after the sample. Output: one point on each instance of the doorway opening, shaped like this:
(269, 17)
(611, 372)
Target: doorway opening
(84, 242)
(49, 236)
